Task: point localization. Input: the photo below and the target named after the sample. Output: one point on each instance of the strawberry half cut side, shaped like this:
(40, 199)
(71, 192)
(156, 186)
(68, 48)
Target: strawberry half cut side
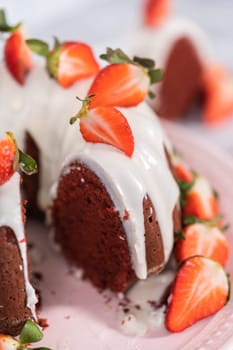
(125, 82)
(201, 288)
(67, 62)
(200, 200)
(105, 125)
(202, 239)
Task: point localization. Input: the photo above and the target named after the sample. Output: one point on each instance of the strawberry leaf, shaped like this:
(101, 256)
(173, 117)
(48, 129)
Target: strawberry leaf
(27, 164)
(155, 75)
(115, 56)
(38, 46)
(151, 94)
(144, 62)
(4, 26)
(30, 333)
(180, 236)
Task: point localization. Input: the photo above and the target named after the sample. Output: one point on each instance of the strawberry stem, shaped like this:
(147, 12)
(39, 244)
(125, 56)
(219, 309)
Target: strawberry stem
(26, 163)
(84, 109)
(4, 26)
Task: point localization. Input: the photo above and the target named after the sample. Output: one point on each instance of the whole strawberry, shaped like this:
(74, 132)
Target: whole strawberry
(12, 158)
(16, 52)
(67, 62)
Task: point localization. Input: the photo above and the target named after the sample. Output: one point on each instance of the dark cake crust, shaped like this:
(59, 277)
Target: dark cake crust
(91, 234)
(182, 83)
(13, 309)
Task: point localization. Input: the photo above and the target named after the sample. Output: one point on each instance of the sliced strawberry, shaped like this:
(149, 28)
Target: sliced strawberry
(121, 85)
(105, 125)
(108, 125)
(218, 85)
(17, 56)
(202, 239)
(201, 288)
(155, 12)
(183, 173)
(200, 200)
(67, 62)
(8, 343)
(7, 156)
(76, 62)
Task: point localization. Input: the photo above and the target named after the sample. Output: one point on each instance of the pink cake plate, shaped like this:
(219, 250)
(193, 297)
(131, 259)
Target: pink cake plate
(79, 317)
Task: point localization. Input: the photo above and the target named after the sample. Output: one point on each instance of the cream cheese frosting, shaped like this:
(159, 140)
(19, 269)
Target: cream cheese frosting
(44, 109)
(129, 180)
(11, 216)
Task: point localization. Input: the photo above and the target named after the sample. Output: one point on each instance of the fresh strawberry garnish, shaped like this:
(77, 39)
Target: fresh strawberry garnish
(8, 343)
(124, 82)
(200, 200)
(202, 239)
(7, 157)
(201, 288)
(67, 62)
(182, 172)
(155, 12)
(17, 57)
(16, 53)
(11, 158)
(30, 333)
(105, 125)
(218, 85)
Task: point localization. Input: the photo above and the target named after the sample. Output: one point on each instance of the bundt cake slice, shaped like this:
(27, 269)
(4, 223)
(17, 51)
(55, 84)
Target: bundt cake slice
(113, 213)
(17, 296)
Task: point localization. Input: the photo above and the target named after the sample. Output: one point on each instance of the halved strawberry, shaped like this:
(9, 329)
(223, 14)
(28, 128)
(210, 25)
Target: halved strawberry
(155, 12)
(17, 56)
(218, 85)
(201, 288)
(202, 239)
(8, 151)
(124, 82)
(105, 125)
(68, 62)
(200, 200)
(8, 343)
(120, 84)
(11, 158)
(182, 172)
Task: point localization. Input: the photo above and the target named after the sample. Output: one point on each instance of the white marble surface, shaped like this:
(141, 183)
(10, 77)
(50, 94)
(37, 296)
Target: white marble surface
(108, 22)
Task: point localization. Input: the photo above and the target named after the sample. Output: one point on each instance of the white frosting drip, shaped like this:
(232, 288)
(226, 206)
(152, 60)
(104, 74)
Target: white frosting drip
(129, 180)
(45, 109)
(11, 216)
(142, 316)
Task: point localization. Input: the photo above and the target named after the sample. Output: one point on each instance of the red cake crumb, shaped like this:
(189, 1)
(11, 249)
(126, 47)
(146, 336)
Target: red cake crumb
(43, 322)
(126, 215)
